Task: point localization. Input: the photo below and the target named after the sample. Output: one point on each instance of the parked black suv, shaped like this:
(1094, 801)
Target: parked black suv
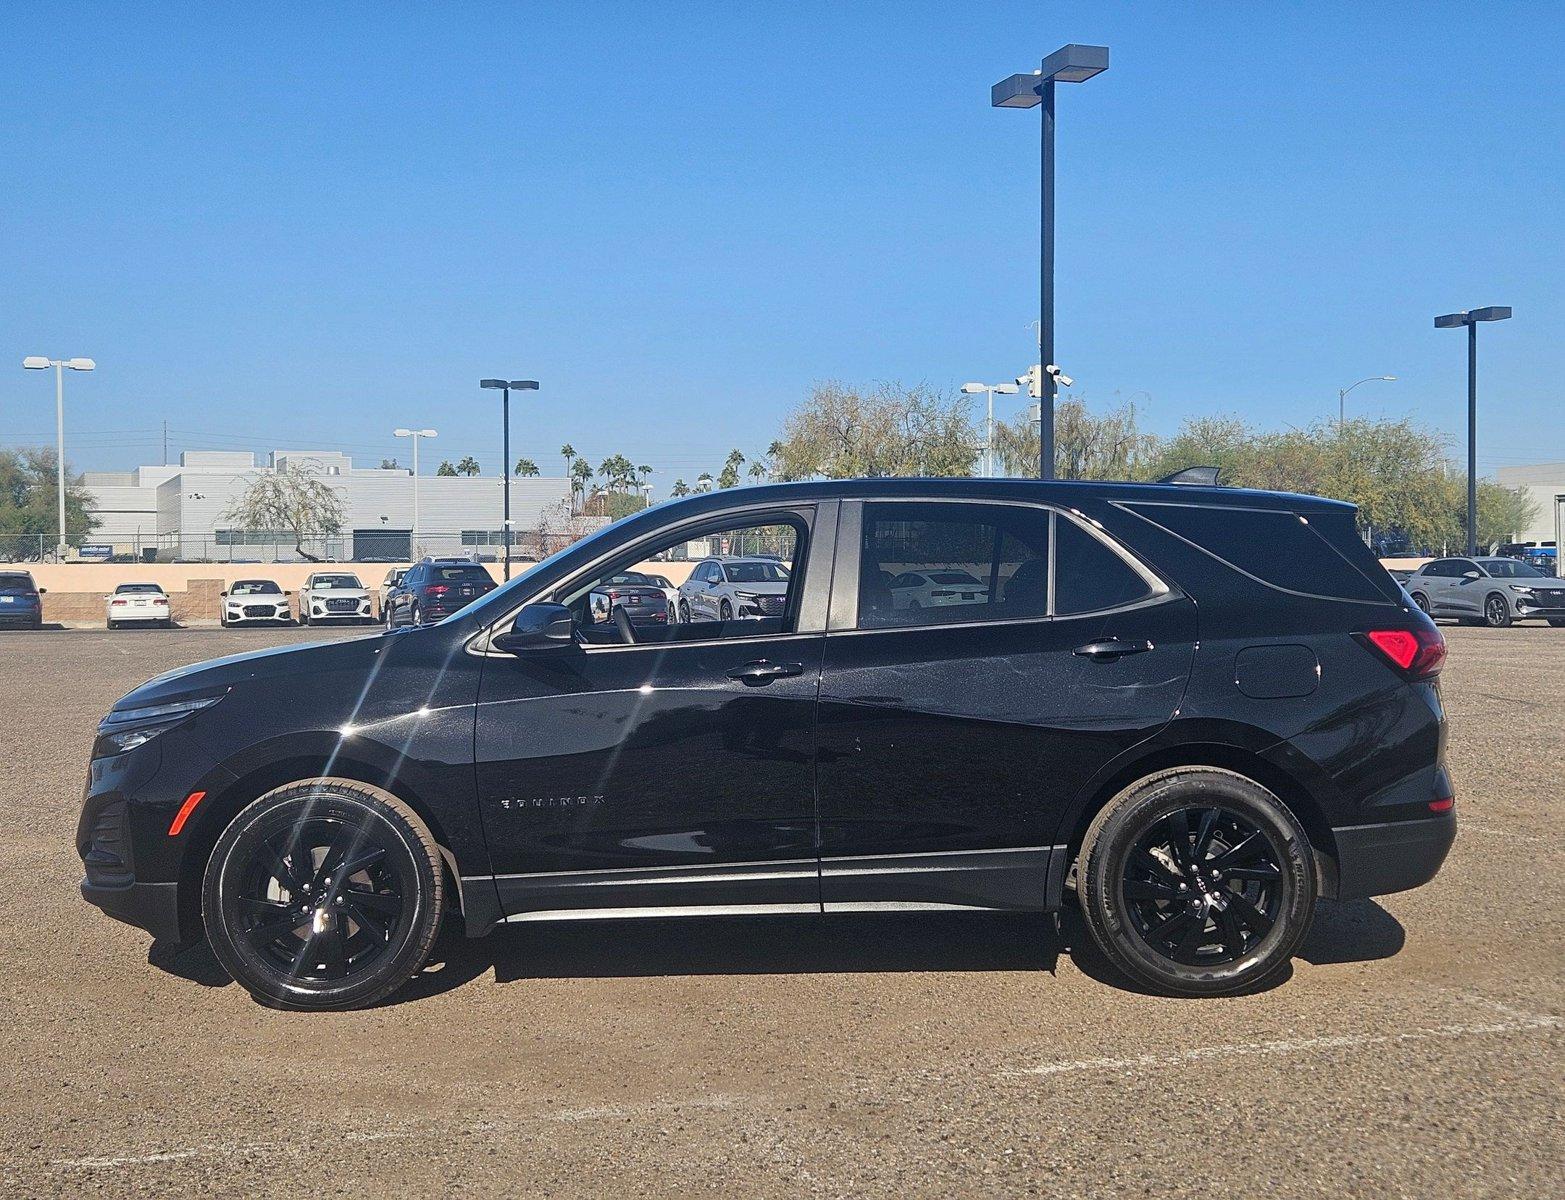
(434, 589)
(1193, 709)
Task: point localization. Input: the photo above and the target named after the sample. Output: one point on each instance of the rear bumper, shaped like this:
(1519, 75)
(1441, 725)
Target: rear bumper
(1374, 860)
(150, 906)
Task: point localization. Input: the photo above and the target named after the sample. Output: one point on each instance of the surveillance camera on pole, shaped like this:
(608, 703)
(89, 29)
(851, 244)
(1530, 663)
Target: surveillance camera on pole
(1032, 380)
(1060, 377)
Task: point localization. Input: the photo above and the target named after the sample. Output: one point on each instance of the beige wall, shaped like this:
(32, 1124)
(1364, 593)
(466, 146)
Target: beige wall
(76, 592)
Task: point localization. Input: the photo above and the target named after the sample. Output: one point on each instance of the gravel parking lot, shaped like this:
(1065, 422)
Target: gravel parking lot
(1416, 1050)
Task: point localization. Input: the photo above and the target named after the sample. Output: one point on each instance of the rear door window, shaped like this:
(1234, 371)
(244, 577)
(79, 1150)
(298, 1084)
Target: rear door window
(1088, 575)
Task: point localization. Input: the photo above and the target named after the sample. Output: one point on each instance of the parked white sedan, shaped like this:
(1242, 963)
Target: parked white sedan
(334, 596)
(254, 600)
(138, 604)
(937, 589)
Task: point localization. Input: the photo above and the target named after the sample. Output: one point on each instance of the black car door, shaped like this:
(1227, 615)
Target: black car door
(670, 775)
(952, 739)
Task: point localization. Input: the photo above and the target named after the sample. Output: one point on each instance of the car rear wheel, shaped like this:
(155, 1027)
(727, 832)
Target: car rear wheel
(1421, 602)
(1496, 611)
(415, 615)
(324, 894)
(1197, 882)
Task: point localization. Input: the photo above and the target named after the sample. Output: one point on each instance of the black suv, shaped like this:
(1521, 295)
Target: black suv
(434, 589)
(1191, 709)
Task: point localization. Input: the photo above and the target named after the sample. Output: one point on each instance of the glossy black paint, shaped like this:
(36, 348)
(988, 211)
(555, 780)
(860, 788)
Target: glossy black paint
(824, 767)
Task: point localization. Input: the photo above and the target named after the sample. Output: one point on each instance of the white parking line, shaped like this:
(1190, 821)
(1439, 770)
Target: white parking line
(228, 1149)
(1346, 1041)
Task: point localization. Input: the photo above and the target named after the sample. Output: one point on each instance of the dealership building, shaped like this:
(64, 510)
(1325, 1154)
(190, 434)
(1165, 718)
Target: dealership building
(1545, 483)
(179, 512)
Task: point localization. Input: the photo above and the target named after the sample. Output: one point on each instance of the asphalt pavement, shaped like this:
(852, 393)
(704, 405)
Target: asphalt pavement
(1417, 1048)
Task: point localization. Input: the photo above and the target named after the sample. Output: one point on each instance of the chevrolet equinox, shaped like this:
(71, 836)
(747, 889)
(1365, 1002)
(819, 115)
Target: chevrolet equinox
(1190, 710)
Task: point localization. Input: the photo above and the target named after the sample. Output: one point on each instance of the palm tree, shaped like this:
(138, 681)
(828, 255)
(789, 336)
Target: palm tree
(468, 466)
(704, 481)
(680, 488)
(445, 468)
(526, 466)
(581, 476)
(729, 477)
(758, 470)
(568, 453)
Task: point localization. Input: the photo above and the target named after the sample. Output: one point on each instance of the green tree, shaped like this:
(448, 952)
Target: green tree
(29, 512)
(704, 481)
(526, 466)
(445, 469)
(1087, 445)
(840, 432)
(758, 470)
(680, 488)
(295, 499)
(729, 476)
(388, 464)
(581, 476)
(468, 466)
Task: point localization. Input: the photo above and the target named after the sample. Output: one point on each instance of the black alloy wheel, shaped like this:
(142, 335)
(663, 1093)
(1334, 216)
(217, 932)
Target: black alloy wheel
(1421, 602)
(323, 894)
(684, 612)
(1496, 612)
(1197, 882)
(726, 612)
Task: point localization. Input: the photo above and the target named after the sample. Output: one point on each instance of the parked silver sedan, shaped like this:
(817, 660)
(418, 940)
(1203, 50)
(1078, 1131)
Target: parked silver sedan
(1493, 591)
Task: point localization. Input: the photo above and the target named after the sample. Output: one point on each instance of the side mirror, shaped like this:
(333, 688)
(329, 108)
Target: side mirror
(537, 627)
(287, 593)
(223, 595)
(600, 609)
(1472, 575)
(43, 591)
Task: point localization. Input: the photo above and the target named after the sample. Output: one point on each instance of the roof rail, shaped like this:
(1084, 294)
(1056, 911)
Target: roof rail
(1194, 477)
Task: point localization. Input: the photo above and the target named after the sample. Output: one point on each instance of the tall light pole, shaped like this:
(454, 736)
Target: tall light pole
(1068, 64)
(1342, 396)
(1005, 389)
(416, 435)
(1471, 320)
(39, 363)
(505, 449)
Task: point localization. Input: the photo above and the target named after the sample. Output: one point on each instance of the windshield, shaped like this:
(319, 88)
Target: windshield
(254, 587)
(473, 574)
(127, 588)
(756, 572)
(327, 582)
(16, 583)
(1511, 568)
(660, 581)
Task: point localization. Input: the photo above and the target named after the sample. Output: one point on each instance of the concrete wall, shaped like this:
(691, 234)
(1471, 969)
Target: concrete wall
(76, 592)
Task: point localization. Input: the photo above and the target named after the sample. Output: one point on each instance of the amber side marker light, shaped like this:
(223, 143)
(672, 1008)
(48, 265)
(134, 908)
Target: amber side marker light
(185, 809)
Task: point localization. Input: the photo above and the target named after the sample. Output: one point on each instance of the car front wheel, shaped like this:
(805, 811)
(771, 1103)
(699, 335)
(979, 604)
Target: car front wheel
(1197, 882)
(324, 894)
(1496, 612)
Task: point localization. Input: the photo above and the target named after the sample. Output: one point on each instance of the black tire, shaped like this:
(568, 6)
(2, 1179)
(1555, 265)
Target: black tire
(1141, 897)
(112, 625)
(684, 612)
(358, 937)
(304, 616)
(725, 611)
(415, 617)
(1496, 611)
(1421, 602)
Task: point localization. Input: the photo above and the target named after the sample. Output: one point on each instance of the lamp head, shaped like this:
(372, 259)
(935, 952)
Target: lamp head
(524, 385)
(491, 383)
(35, 363)
(80, 364)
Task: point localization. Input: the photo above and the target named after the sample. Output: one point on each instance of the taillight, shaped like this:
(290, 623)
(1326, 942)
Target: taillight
(117, 603)
(438, 589)
(1417, 653)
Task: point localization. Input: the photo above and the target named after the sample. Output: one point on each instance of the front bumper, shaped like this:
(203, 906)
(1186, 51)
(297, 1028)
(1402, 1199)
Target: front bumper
(1392, 856)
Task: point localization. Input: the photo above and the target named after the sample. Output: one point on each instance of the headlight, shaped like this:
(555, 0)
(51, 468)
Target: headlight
(128, 728)
(748, 595)
(1519, 590)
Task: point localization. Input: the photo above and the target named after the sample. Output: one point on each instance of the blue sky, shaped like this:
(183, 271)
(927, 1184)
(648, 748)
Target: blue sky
(306, 225)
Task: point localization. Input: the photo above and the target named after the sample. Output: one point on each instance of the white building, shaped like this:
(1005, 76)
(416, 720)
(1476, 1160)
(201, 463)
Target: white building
(180, 510)
(1545, 483)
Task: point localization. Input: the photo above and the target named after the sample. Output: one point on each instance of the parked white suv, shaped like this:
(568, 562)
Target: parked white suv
(723, 589)
(254, 600)
(334, 596)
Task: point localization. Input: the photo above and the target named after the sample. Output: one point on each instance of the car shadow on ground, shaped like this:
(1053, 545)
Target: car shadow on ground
(1356, 931)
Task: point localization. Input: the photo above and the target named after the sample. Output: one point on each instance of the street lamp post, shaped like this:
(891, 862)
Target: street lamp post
(1005, 389)
(1068, 64)
(417, 435)
(1342, 396)
(1471, 319)
(505, 451)
(39, 363)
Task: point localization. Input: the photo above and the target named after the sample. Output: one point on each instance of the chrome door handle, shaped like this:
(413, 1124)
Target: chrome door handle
(1111, 649)
(754, 674)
